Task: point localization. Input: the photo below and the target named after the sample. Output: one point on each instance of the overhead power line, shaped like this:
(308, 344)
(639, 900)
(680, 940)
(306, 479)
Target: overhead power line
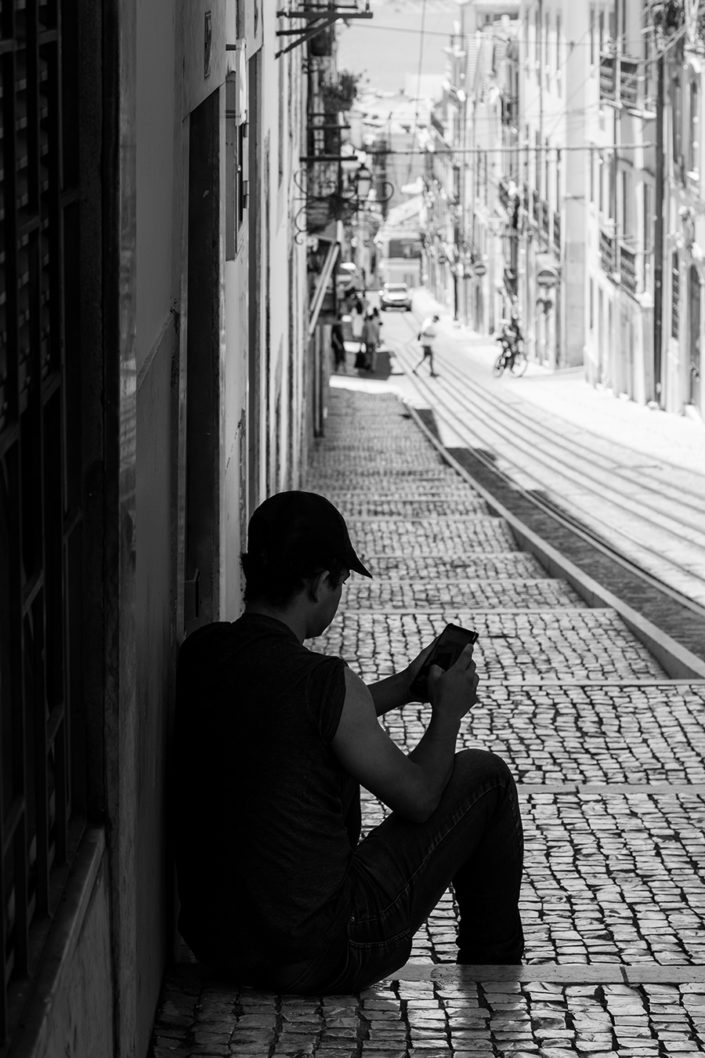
(517, 149)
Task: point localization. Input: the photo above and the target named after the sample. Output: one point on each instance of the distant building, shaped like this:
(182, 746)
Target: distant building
(399, 245)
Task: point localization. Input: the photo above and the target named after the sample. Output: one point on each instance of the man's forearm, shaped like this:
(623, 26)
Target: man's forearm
(390, 693)
(435, 755)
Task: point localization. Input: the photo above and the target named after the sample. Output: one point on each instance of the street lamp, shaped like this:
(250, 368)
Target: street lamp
(362, 181)
(332, 198)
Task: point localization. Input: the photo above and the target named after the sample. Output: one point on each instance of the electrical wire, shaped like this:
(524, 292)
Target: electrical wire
(422, 39)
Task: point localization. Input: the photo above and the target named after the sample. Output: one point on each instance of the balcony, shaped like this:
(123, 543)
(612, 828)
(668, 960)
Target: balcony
(510, 281)
(545, 218)
(607, 252)
(627, 269)
(437, 124)
(620, 81)
(629, 83)
(608, 80)
(510, 111)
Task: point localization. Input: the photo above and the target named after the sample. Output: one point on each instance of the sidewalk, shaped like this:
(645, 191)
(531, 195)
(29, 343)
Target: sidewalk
(608, 754)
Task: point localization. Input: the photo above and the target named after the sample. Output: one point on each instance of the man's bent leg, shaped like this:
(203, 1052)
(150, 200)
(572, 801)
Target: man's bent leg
(401, 870)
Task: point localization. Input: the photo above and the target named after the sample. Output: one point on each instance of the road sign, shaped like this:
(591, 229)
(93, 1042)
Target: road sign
(480, 269)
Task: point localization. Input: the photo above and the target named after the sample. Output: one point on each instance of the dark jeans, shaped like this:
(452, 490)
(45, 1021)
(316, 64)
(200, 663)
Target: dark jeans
(401, 869)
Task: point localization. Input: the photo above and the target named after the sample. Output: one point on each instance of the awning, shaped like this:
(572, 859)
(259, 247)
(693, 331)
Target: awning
(322, 285)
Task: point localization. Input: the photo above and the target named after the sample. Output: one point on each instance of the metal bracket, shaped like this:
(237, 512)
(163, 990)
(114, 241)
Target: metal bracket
(318, 17)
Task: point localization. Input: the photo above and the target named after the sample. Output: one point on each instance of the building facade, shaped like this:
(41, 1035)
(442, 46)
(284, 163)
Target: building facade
(155, 386)
(576, 133)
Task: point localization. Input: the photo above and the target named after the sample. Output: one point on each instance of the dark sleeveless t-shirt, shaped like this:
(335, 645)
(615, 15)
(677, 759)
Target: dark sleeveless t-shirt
(265, 818)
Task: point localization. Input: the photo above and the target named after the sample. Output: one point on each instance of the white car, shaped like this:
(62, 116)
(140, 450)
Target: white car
(395, 296)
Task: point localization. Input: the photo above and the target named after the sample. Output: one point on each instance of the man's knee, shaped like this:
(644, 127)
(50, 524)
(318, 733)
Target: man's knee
(475, 766)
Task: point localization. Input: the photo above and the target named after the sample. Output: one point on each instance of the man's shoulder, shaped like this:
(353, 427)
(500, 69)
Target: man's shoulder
(206, 639)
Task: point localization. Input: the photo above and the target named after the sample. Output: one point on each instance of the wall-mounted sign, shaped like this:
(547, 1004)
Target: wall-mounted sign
(547, 277)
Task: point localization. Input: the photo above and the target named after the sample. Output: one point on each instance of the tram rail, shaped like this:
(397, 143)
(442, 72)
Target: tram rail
(498, 425)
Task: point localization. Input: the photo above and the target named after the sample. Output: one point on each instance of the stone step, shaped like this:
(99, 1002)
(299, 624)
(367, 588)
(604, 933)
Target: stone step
(386, 594)
(579, 644)
(434, 535)
(650, 733)
(610, 876)
(441, 1011)
(404, 490)
(381, 479)
(477, 565)
(361, 506)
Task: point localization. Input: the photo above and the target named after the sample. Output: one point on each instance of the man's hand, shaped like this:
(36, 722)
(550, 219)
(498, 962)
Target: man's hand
(454, 692)
(412, 670)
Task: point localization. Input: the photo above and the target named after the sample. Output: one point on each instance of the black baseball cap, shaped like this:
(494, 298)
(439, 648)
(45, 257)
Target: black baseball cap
(302, 530)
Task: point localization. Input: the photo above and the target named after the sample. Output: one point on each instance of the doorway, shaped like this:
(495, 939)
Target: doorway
(202, 367)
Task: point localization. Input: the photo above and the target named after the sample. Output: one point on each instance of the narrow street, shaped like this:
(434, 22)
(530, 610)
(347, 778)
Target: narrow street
(200, 203)
(633, 476)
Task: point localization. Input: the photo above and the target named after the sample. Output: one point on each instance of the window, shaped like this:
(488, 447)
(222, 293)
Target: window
(626, 218)
(545, 56)
(676, 118)
(235, 167)
(593, 33)
(559, 72)
(547, 169)
(611, 187)
(694, 128)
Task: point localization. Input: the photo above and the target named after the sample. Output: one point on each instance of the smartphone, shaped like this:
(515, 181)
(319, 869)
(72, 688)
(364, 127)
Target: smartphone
(445, 653)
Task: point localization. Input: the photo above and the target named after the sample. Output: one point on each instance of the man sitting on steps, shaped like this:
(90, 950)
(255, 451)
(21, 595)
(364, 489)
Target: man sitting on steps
(272, 744)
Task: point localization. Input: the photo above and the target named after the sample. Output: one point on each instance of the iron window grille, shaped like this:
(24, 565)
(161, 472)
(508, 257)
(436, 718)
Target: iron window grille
(41, 791)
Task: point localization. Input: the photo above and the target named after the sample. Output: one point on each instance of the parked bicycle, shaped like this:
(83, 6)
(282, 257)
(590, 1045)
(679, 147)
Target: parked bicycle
(512, 357)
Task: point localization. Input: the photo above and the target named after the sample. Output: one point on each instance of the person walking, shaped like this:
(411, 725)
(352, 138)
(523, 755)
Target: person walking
(427, 337)
(337, 341)
(357, 321)
(370, 338)
(272, 744)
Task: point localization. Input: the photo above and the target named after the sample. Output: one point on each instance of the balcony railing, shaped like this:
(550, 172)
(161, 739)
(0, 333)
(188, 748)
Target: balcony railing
(627, 268)
(625, 71)
(510, 110)
(629, 82)
(607, 252)
(608, 81)
(545, 217)
(510, 281)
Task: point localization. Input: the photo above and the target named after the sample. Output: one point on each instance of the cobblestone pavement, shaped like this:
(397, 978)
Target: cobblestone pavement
(608, 754)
